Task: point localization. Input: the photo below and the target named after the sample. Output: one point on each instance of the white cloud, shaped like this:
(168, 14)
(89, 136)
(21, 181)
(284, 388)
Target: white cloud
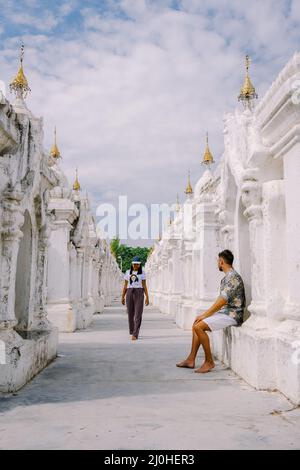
(45, 22)
(133, 99)
(68, 7)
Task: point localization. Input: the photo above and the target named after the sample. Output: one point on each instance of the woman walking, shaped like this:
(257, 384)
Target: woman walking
(134, 289)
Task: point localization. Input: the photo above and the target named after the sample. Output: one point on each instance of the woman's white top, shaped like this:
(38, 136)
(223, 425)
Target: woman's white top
(134, 279)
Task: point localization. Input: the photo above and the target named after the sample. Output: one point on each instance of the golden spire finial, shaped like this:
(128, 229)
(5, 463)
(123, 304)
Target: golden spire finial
(177, 203)
(20, 84)
(189, 189)
(247, 93)
(76, 185)
(54, 152)
(207, 157)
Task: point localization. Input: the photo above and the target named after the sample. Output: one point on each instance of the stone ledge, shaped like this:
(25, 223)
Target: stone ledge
(26, 357)
(260, 357)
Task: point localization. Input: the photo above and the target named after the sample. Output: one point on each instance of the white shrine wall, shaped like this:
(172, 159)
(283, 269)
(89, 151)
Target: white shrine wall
(250, 205)
(55, 272)
(30, 339)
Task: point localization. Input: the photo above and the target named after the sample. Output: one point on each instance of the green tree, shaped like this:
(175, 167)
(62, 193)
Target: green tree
(114, 246)
(124, 253)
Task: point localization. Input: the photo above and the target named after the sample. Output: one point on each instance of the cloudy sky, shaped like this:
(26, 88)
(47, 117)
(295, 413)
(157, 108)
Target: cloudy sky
(133, 85)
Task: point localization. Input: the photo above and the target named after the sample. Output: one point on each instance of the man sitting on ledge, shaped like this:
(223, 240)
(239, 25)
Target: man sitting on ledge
(230, 307)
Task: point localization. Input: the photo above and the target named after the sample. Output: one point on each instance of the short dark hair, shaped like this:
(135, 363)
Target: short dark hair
(227, 256)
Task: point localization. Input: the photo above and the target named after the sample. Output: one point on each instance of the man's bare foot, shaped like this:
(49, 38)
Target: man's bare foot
(206, 367)
(187, 364)
(134, 338)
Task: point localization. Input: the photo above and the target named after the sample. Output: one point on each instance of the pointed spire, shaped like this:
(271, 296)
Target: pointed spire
(20, 84)
(54, 152)
(177, 203)
(189, 190)
(207, 157)
(247, 93)
(76, 185)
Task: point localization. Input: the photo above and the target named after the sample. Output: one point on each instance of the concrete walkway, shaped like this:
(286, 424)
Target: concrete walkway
(106, 392)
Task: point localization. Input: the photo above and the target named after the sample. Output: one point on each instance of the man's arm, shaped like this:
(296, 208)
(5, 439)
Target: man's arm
(219, 303)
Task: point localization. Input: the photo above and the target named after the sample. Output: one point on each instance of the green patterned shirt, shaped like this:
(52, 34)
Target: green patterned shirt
(233, 291)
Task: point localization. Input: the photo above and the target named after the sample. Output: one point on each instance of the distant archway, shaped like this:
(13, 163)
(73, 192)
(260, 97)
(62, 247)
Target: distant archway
(170, 275)
(23, 276)
(229, 195)
(242, 249)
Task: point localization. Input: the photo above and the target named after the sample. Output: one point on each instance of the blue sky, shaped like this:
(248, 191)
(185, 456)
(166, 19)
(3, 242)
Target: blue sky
(133, 85)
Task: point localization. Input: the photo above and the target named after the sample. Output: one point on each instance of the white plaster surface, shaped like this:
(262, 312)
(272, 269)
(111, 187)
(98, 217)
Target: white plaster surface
(249, 204)
(55, 272)
(106, 392)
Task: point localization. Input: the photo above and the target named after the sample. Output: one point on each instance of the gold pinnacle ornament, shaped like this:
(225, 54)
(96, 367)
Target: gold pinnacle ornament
(177, 203)
(247, 94)
(189, 189)
(76, 185)
(19, 85)
(207, 157)
(54, 152)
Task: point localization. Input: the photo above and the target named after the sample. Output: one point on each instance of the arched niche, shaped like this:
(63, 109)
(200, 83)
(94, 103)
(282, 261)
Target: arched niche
(23, 275)
(242, 248)
(170, 268)
(229, 195)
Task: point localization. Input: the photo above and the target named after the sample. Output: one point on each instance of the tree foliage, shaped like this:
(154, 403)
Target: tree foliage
(126, 253)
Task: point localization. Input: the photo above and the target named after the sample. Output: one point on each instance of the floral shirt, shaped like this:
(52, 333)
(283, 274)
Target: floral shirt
(232, 289)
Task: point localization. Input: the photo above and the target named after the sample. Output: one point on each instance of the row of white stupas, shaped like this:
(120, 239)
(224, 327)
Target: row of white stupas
(249, 204)
(55, 271)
